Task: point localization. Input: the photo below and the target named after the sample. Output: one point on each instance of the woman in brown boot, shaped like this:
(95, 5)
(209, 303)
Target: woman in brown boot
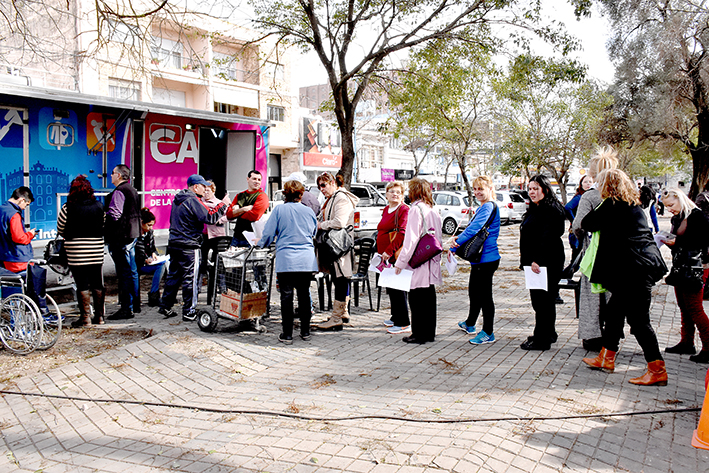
(337, 213)
(627, 263)
(81, 222)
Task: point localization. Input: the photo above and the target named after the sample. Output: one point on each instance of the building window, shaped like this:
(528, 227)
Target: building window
(123, 89)
(38, 180)
(121, 32)
(276, 114)
(226, 108)
(48, 179)
(167, 53)
(40, 202)
(49, 190)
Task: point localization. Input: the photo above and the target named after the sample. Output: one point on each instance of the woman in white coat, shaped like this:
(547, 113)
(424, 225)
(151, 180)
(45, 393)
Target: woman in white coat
(422, 296)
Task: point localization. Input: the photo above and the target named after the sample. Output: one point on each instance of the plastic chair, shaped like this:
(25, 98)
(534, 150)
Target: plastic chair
(366, 249)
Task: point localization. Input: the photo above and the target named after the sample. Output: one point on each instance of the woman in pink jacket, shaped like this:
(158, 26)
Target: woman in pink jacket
(422, 297)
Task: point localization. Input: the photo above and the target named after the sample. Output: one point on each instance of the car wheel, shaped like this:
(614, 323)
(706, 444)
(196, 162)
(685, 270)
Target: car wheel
(449, 226)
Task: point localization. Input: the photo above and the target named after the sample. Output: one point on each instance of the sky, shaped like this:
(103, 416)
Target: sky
(593, 34)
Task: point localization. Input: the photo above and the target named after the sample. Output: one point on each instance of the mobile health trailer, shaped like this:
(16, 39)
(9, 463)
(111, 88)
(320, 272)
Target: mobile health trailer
(48, 137)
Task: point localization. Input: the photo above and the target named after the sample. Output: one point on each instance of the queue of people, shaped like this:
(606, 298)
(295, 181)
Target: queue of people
(612, 226)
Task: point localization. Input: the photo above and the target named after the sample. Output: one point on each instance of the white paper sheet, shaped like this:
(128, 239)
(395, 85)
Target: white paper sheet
(258, 226)
(402, 282)
(251, 237)
(374, 262)
(661, 237)
(451, 264)
(534, 280)
(160, 259)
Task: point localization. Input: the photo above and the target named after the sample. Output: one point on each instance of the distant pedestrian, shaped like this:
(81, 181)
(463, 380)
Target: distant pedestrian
(627, 262)
(585, 184)
(647, 203)
(540, 246)
(309, 199)
(482, 272)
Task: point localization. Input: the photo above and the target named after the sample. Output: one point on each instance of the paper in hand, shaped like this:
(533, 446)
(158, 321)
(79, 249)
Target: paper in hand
(534, 280)
(401, 281)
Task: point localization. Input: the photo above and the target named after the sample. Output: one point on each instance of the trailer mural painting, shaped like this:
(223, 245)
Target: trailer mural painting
(45, 143)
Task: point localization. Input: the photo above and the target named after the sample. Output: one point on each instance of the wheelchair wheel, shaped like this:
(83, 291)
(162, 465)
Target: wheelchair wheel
(21, 327)
(52, 325)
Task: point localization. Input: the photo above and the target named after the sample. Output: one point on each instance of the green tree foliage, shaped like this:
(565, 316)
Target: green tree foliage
(445, 93)
(661, 76)
(356, 39)
(550, 116)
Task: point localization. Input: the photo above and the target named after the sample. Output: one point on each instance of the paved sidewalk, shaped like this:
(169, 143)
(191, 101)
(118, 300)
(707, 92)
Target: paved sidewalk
(490, 393)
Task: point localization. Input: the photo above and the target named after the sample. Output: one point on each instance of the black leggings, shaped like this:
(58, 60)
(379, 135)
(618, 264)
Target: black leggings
(342, 288)
(480, 294)
(87, 276)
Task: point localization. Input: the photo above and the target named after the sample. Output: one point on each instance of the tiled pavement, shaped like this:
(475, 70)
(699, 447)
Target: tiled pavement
(499, 397)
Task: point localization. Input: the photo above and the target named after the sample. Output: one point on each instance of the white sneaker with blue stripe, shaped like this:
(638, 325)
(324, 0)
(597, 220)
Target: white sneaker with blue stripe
(482, 338)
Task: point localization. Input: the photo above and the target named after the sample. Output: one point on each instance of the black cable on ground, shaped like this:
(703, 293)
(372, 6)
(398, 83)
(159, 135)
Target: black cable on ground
(359, 417)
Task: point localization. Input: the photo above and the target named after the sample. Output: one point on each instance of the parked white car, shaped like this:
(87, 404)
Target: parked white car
(368, 212)
(514, 203)
(455, 210)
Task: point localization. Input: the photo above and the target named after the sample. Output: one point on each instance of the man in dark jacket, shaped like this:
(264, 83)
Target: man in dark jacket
(187, 219)
(122, 228)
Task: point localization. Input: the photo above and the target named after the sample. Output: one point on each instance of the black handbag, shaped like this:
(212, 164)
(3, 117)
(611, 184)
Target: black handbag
(687, 271)
(55, 256)
(334, 243)
(472, 250)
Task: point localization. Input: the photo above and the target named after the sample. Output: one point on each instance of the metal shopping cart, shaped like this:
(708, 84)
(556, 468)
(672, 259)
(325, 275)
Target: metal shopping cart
(242, 289)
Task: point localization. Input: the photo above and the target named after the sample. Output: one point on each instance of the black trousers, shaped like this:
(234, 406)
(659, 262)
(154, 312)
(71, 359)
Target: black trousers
(480, 294)
(184, 269)
(399, 307)
(290, 283)
(423, 313)
(632, 303)
(87, 276)
(544, 305)
(342, 288)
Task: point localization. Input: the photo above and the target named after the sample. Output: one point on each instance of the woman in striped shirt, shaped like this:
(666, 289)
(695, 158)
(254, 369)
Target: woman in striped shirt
(81, 223)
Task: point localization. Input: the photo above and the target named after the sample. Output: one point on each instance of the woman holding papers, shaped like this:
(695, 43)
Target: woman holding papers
(691, 231)
(293, 227)
(481, 273)
(542, 250)
(81, 223)
(390, 237)
(628, 263)
(337, 212)
(422, 296)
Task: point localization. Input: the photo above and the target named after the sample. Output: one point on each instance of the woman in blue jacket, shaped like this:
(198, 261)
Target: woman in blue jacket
(293, 227)
(481, 273)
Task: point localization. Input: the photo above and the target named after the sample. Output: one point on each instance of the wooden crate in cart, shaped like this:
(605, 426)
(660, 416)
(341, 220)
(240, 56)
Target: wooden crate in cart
(252, 305)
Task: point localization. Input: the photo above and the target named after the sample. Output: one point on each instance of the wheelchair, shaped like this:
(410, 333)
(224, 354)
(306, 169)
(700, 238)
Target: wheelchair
(23, 326)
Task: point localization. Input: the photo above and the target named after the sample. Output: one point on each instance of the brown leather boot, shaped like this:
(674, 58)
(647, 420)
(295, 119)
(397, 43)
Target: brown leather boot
(604, 361)
(335, 321)
(346, 312)
(84, 310)
(656, 375)
(99, 306)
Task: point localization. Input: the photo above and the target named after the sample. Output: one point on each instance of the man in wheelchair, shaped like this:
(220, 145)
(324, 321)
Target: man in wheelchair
(16, 248)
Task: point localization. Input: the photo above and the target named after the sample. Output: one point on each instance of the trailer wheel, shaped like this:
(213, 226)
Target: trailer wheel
(207, 321)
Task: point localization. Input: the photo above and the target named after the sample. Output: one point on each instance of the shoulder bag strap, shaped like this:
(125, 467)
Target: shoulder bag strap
(492, 216)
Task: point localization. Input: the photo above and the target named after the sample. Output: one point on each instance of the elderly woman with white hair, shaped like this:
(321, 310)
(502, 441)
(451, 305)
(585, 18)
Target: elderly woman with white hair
(690, 228)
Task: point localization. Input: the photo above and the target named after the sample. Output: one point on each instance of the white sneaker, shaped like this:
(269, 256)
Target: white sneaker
(395, 329)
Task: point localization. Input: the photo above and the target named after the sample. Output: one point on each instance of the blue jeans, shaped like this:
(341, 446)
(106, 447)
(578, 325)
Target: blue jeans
(158, 271)
(127, 272)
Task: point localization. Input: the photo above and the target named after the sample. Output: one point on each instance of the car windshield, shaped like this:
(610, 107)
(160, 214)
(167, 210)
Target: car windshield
(516, 197)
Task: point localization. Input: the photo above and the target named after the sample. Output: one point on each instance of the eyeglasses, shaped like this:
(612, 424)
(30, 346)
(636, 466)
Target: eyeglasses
(392, 192)
(322, 185)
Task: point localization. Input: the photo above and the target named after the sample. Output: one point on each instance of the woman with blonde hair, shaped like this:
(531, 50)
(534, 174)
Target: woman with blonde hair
(690, 228)
(591, 306)
(627, 263)
(481, 272)
(337, 212)
(422, 296)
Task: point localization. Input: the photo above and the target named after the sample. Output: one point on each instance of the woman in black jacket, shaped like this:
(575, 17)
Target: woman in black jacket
(540, 246)
(691, 230)
(627, 263)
